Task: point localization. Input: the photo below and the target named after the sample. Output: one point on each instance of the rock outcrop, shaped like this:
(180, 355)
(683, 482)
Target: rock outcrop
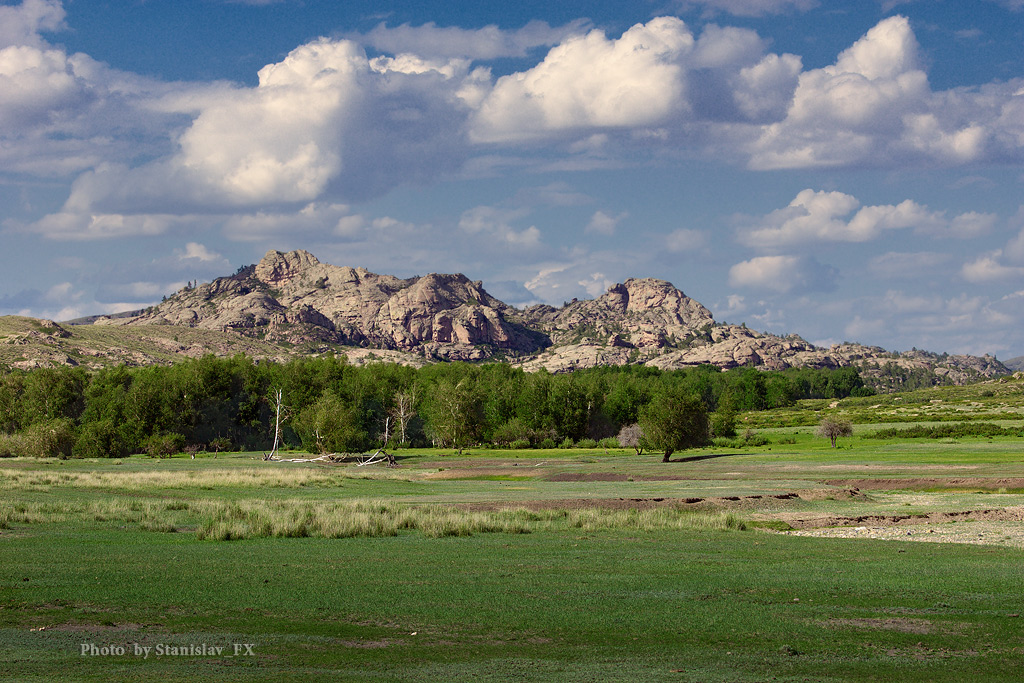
(649, 315)
(293, 300)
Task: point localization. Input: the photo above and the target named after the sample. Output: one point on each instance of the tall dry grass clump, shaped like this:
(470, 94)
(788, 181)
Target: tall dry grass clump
(206, 479)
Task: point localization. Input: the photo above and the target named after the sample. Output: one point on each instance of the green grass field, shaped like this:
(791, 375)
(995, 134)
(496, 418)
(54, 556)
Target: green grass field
(560, 565)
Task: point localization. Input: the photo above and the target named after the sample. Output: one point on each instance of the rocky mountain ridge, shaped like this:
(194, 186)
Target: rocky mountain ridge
(295, 301)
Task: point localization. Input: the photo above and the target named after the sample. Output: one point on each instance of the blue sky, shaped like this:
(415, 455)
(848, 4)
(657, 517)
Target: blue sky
(840, 170)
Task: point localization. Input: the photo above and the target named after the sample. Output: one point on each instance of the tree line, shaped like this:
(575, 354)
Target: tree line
(329, 405)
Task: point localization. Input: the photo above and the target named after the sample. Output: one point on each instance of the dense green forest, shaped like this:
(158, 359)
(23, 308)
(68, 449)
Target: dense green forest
(327, 405)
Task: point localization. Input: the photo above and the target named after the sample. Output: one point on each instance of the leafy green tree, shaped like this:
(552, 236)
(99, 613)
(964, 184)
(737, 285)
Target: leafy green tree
(626, 396)
(675, 421)
(54, 393)
(723, 423)
(101, 439)
(453, 415)
(569, 405)
(12, 385)
(330, 425)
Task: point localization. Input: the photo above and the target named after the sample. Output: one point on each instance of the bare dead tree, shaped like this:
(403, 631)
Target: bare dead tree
(404, 412)
(278, 416)
(629, 437)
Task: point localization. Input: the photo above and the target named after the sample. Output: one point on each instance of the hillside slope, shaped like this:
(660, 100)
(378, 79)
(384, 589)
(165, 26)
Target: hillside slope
(292, 304)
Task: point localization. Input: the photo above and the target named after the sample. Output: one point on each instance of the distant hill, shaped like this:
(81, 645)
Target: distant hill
(1015, 364)
(292, 304)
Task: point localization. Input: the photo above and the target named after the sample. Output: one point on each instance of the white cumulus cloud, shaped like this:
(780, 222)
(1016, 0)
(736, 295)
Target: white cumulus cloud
(602, 223)
(782, 274)
(592, 81)
(818, 216)
(22, 24)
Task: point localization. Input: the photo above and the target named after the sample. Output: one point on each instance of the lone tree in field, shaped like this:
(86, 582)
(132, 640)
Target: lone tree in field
(833, 427)
(673, 421)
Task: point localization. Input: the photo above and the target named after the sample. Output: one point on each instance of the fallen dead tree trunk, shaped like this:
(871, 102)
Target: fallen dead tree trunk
(380, 455)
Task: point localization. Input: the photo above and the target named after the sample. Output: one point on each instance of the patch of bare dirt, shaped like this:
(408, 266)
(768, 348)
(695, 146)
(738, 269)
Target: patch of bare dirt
(611, 476)
(481, 472)
(370, 644)
(904, 625)
(1007, 534)
(90, 628)
(895, 484)
(1013, 514)
(632, 503)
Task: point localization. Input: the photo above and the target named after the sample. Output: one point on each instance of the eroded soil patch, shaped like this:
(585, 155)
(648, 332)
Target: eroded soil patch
(727, 502)
(919, 483)
(1014, 514)
(904, 625)
(612, 476)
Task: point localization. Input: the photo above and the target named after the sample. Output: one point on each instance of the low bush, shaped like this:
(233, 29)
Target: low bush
(723, 424)
(12, 446)
(50, 438)
(164, 445)
(956, 430)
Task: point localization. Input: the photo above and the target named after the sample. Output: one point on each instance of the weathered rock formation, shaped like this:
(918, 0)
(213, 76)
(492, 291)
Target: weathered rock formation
(294, 300)
(292, 297)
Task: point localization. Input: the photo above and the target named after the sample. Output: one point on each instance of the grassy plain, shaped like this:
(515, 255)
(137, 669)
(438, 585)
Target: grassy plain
(559, 565)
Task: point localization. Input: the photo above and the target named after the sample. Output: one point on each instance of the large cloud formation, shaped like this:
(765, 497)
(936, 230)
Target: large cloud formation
(874, 107)
(330, 124)
(814, 217)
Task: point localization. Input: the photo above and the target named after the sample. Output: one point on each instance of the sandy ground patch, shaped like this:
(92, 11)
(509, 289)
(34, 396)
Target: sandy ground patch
(1007, 533)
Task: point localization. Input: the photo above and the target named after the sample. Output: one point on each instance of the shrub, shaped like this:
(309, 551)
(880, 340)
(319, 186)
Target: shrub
(955, 430)
(567, 442)
(833, 427)
(520, 444)
(586, 443)
(723, 424)
(511, 432)
(12, 445)
(164, 445)
(50, 438)
(752, 438)
(631, 436)
(221, 443)
(610, 442)
(548, 443)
